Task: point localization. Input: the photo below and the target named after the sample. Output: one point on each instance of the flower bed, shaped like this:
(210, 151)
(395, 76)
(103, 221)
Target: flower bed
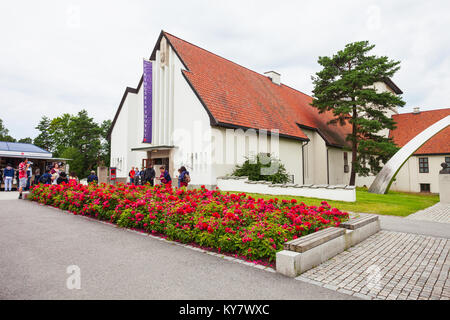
(229, 223)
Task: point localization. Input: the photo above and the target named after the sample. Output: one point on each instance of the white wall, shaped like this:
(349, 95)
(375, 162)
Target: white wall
(119, 143)
(409, 178)
(191, 133)
(230, 147)
(291, 157)
(336, 166)
(315, 154)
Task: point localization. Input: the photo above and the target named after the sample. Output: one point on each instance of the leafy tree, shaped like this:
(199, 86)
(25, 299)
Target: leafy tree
(25, 140)
(77, 162)
(254, 168)
(85, 137)
(61, 134)
(345, 87)
(44, 139)
(106, 144)
(76, 137)
(4, 133)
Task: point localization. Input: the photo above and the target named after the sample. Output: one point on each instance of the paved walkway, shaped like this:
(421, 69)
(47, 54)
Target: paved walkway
(389, 265)
(408, 259)
(440, 212)
(38, 244)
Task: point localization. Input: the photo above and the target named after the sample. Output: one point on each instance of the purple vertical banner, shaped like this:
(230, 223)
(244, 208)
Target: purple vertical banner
(147, 101)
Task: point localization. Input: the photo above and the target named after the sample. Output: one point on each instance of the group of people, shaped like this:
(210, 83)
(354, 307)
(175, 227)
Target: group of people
(23, 176)
(148, 175)
(56, 175)
(24, 173)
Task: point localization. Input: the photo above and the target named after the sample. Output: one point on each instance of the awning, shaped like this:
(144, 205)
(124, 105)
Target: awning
(150, 148)
(33, 157)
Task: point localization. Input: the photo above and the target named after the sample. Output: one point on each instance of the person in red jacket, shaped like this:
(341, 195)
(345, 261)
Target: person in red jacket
(131, 175)
(23, 177)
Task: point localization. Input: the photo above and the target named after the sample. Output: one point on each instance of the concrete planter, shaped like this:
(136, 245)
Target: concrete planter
(292, 264)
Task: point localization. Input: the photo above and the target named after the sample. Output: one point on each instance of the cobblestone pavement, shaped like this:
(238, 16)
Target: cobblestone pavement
(440, 212)
(389, 265)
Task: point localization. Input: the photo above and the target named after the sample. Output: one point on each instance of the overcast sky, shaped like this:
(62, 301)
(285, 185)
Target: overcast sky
(62, 56)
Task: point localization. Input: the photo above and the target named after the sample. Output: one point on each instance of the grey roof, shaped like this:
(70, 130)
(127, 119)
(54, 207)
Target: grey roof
(21, 147)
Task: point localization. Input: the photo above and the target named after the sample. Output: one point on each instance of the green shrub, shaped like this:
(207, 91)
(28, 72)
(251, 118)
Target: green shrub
(262, 167)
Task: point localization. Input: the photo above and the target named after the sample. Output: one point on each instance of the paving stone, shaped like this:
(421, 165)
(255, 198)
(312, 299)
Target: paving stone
(440, 212)
(389, 265)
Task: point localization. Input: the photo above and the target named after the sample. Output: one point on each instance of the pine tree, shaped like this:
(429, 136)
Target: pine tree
(345, 87)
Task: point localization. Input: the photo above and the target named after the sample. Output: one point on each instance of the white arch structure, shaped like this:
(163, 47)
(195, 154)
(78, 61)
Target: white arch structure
(384, 178)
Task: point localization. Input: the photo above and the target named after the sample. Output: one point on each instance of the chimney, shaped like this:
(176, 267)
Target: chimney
(274, 76)
(416, 110)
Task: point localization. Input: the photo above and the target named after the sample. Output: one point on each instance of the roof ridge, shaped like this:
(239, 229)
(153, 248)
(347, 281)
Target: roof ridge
(421, 111)
(235, 63)
(239, 65)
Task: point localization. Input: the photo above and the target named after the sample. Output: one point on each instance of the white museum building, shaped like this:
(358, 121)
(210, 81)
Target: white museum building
(420, 173)
(197, 109)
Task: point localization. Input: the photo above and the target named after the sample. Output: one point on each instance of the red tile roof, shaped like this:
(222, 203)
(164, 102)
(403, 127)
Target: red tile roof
(409, 125)
(237, 96)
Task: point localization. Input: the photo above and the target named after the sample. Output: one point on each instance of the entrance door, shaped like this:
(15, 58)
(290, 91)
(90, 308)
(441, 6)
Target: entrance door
(146, 163)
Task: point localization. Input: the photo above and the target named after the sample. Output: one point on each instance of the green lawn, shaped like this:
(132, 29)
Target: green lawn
(394, 203)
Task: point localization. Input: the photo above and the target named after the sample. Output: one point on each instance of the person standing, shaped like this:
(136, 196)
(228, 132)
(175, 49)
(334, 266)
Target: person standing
(1, 178)
(37, 176)
(141, 176)
(92, 178)
(62, 178)
(131, 174)
(149, 175)
(8, 173)
(183, 178)
(23, 169)
(29, 174)
(164, 176)
(137, 177)
(55, 173)
(46, 178)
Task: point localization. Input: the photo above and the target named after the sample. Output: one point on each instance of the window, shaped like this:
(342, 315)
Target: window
(425, 187)
(423, 165)
(346, 169)
(447, 161)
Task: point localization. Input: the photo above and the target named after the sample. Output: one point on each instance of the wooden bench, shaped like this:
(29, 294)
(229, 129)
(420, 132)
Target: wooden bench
(315, 239)
(357, 223)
